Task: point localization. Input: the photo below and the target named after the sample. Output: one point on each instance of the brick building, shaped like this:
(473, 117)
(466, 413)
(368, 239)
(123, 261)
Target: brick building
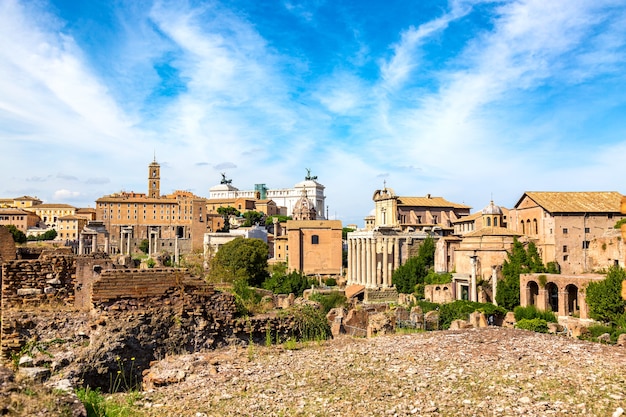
(574, 229)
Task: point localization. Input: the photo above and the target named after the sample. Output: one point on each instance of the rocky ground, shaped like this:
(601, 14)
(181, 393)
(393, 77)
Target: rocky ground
(474, 372)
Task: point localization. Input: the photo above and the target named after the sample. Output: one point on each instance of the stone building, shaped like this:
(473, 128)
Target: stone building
(283, 197)
(167, 220)
(563, 294)
(428, 214)
(373, 255)
(314, 247)
(564, 225)
(476, 257)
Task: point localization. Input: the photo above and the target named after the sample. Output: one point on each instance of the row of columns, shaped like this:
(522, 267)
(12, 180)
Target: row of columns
(372, 260)
(84, 237)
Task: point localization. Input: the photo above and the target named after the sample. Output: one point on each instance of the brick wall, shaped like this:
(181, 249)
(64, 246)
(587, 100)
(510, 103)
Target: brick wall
(7, 245)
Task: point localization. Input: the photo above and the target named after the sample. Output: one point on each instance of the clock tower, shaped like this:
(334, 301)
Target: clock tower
(154, 180)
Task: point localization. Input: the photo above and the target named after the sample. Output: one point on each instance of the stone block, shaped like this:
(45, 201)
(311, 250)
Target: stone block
(28, 291)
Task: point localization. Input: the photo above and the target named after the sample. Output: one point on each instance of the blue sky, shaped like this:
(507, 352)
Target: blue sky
(469, 100)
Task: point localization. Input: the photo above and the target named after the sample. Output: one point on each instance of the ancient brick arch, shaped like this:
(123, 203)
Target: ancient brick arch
(563, 294)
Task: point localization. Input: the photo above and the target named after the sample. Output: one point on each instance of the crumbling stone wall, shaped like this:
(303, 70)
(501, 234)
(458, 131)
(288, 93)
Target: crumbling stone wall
(7, 245)
(35, 282)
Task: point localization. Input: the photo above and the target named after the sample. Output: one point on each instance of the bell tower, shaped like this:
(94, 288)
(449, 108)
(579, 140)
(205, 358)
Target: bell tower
(154, 179)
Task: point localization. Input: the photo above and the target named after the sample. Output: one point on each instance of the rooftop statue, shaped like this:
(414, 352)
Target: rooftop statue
(224, 180)
(308, 175)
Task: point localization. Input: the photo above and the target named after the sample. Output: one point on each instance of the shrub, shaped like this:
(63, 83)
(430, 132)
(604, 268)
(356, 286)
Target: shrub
(310, 323)
(331, 282)
(461, 309)
(532, 312)
(534, 325)
(329, 301)
(604, 297)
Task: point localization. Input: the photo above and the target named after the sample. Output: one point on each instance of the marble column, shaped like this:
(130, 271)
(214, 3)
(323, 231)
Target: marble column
(385, 262)
(372, 244)
(473, 295)
(358, 261)
(368, 262)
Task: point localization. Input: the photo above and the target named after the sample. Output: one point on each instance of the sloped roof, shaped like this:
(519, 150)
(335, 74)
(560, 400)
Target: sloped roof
(467, 218)
(52, 205)
(576, 202)
(429, 201)
(493, 231)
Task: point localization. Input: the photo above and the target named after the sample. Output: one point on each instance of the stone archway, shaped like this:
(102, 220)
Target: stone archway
(532, 293)
(552, 294)
(571, 304)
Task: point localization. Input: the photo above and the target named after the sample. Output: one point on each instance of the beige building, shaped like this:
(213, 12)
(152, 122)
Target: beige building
(564, 226)
(476, 257)
(428, 214)
(49, 213)
(69, 227)
(19, 202)
(21, 219)
(314, 247)
(165, 220)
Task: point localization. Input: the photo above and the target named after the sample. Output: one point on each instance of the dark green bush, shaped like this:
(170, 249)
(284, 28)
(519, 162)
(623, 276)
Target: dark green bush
(310, 323)
(532, 312)
(461, 309)
(534, 325)
(329, 301)
(331, 282)
(597, 330)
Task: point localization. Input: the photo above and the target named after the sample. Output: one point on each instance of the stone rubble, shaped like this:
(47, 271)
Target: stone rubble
(472, 372)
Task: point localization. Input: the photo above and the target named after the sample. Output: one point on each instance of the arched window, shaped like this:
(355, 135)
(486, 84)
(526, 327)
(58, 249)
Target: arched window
(495, 221)
(536, 229)
(488, 221)
(315, 239)
(522, 223)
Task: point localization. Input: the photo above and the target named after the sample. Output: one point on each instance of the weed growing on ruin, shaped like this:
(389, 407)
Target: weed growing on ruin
(310, 323)
(32, 348)
(268, 335)
(291, 344)
(125, 379)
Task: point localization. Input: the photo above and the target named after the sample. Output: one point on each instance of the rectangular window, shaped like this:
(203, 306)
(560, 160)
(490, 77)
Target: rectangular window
(565, 258)
(565, 230)
(315, 239)
(585, 244)
(564, 248)
(586, 230)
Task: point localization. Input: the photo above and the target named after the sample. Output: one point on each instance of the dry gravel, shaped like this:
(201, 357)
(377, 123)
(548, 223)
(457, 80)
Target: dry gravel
(475, 372)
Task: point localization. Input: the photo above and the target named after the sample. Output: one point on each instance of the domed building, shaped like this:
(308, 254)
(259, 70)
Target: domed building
(304, 208)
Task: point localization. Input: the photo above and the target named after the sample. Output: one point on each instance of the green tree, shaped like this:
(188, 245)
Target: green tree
(226, 212)
(519, 261)
(18, 235)
(345, 231)
(270, 219)
(252, 218)
(241, 258)
(413, 272)
(49, 235)
(604, 297)
(144, 246)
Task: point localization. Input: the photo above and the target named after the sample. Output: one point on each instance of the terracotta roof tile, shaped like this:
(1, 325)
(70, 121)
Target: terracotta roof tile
(576, 202)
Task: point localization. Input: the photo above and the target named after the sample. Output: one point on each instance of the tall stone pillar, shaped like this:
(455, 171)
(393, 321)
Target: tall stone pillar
(80, 244)
(363, 263)
(372, 244)
(358, 262)
(494, 282)
(349, 275)
(473, 294)
(122, 248)
(385, 262)
(368, 261)
(94, 243)
(396, 254)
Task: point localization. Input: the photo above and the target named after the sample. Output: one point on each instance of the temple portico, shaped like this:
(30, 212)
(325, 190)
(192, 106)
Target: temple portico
(373, 255)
